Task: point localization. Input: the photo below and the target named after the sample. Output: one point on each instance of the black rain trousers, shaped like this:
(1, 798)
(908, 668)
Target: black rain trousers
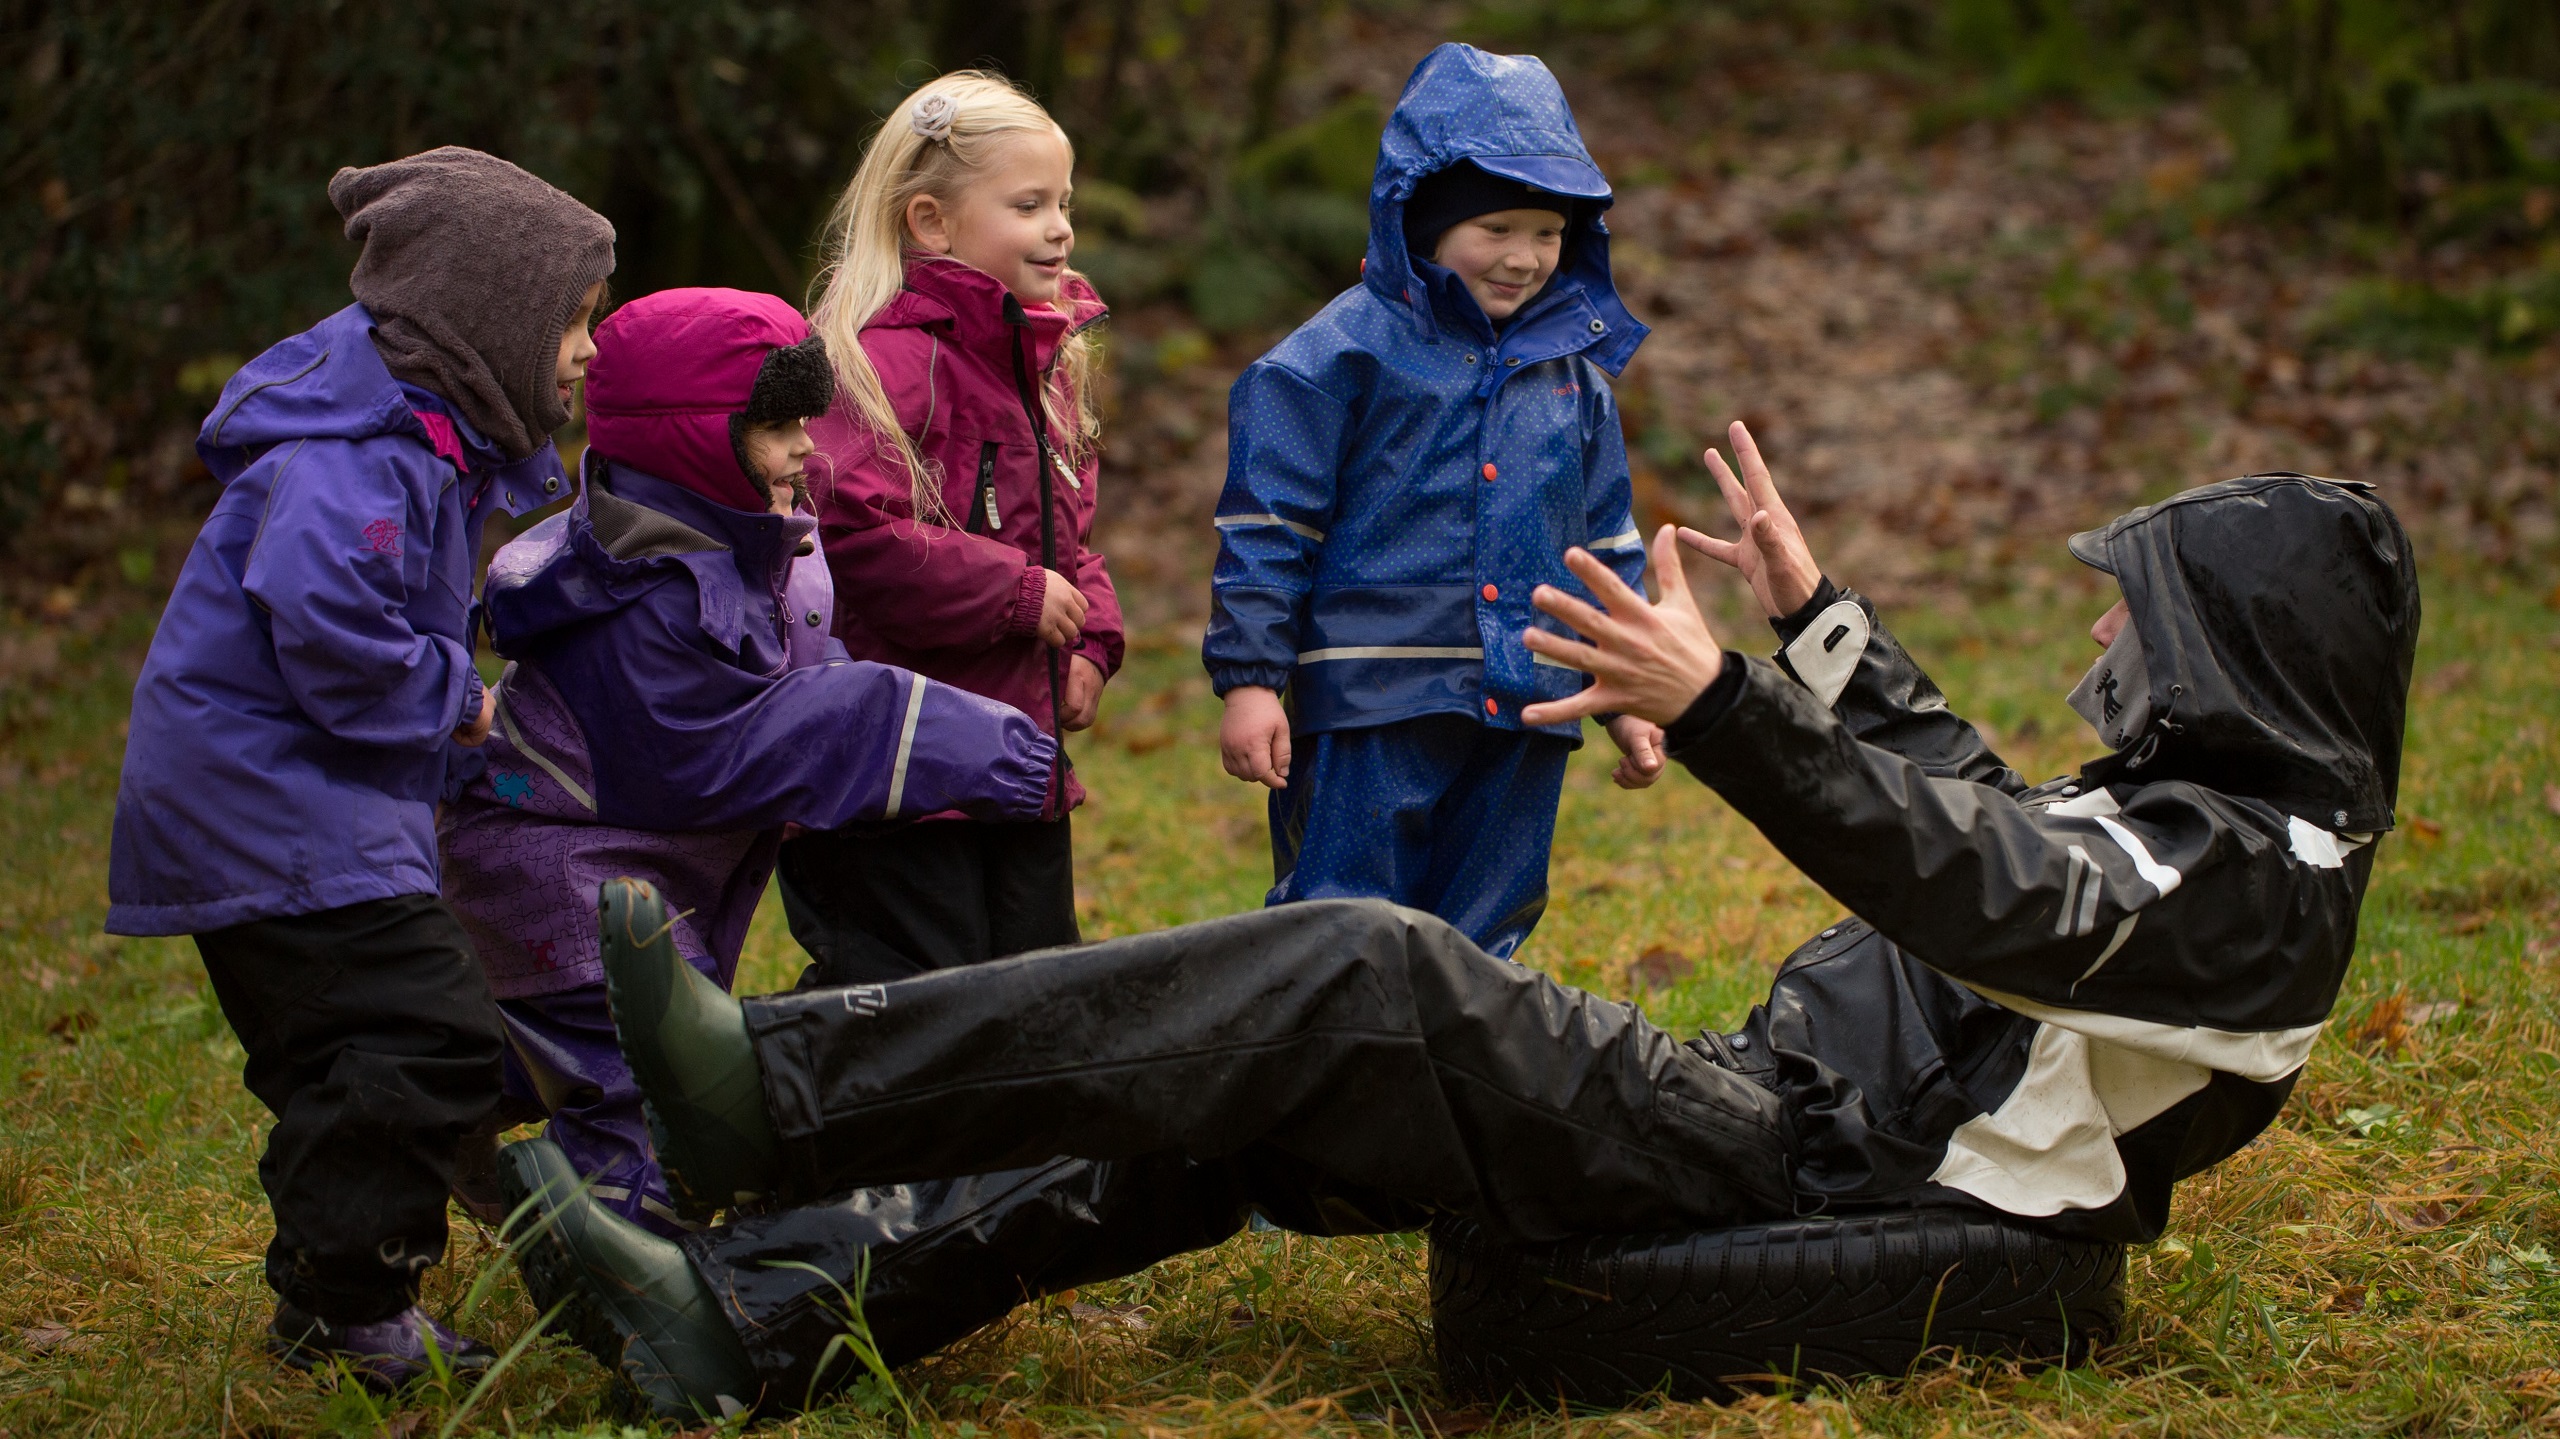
(373, 1040)
(1341, 1066)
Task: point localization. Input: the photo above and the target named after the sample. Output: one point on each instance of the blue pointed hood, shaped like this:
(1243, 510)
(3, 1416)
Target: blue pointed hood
(1507, 115)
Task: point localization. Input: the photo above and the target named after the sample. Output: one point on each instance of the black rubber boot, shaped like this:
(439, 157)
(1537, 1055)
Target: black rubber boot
(625, 1295)
(686, 1042)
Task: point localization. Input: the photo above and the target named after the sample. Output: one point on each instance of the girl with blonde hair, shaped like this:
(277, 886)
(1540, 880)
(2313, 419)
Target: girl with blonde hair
(957, 480)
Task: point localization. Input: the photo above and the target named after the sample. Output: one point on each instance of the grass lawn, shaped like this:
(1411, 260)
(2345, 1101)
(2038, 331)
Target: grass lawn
(2386, 1259)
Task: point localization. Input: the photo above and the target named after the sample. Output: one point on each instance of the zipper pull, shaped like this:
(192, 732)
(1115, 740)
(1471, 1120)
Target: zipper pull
(1068, 474)
(994, 521)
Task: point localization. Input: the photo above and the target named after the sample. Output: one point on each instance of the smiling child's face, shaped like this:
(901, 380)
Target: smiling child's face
(781, 453)
(1504, 258)
(577, 342)
(1011, 218)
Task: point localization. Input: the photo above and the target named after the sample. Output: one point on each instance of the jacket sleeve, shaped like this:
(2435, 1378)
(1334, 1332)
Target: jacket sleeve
(337, 556)
(1836, 648)
(683, 740)
(1284, 455)
(1610, 507)
(2167, 918)
(923, 586)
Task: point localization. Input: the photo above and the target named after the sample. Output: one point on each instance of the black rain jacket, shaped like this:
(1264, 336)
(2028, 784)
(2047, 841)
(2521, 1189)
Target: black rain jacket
(2060, 999)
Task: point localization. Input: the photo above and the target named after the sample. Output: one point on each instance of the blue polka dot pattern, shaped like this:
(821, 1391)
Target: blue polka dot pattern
(1401, 476)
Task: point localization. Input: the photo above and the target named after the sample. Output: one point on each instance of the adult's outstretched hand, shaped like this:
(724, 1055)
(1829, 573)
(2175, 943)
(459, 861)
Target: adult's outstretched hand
(1771, 553)
(1649, 660)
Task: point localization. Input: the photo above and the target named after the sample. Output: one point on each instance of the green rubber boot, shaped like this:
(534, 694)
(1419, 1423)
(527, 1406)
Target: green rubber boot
(686, 1042)
(625, 1295)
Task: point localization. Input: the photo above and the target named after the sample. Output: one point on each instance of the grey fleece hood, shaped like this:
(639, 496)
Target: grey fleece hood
(471, 269)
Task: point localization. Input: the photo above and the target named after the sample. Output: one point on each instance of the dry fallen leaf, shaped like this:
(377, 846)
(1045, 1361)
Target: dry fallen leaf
(2348, 1300)
(44, 1338)
(2551, 798)
(2384, 1028)
(71, 1026)
(1660, 967)
(2420, 827)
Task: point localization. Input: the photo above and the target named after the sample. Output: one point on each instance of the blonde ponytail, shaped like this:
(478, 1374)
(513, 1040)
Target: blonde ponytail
(868, 245)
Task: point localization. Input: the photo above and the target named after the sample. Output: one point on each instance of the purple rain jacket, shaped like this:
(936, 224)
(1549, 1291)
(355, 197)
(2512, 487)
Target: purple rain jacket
(674, 699)
(292, 725)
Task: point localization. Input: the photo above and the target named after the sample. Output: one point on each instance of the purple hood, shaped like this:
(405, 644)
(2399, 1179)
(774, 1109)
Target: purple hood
(673, 700)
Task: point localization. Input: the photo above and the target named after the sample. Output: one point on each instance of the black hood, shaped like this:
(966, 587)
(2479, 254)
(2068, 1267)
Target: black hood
(2279, 617)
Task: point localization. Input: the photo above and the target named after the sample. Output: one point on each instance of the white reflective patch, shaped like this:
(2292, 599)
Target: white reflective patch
(2159, 876)
(1234, 522)
(1826, 654)
(906, 748)
(1536, 658)
(1625, 540)
(2264, 1055)
(2317, 847)
(2124, 932)
(2051, 1144)
(2077, 869)
(2088, 806)
(1391, 652)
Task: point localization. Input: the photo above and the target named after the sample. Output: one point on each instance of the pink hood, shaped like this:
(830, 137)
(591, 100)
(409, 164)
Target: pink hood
(670, 369)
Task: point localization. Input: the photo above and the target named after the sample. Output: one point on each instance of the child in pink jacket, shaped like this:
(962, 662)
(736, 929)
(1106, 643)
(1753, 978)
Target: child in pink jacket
(956, 478)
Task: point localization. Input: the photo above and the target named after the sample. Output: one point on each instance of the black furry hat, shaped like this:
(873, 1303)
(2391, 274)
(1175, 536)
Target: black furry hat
(795, 382)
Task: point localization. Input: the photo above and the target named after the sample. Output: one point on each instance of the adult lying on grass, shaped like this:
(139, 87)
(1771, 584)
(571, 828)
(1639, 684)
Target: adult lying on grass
(2054, 1000)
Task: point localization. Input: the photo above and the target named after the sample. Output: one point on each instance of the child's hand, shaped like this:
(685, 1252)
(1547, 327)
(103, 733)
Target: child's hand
(1639, 743)
(1062, 608)
(1083, 702)
(1253, 740)
(476, 729)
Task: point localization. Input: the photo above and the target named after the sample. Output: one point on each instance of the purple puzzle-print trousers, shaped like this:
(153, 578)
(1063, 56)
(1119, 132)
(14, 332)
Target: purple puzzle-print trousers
(564, 1057)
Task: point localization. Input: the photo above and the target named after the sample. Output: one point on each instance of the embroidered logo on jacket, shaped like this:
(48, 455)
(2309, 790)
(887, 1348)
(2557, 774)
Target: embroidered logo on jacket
(383, 538)
(866, 999)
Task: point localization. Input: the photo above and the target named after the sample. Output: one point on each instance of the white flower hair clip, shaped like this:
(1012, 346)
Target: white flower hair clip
(933, 115)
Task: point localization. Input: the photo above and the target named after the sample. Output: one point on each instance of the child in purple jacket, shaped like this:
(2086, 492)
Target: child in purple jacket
(675, 700)
(302, 711)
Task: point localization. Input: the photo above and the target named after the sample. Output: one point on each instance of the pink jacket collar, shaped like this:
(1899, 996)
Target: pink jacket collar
(967, 304)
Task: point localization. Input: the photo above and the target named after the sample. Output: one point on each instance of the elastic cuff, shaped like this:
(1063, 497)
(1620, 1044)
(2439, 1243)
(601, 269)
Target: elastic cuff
(1027, 595)
(1236, 677)
(1708, 708)
(1788, 626)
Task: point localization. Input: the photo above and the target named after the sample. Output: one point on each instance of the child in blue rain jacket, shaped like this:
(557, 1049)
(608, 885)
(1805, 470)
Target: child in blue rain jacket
(1403, 471)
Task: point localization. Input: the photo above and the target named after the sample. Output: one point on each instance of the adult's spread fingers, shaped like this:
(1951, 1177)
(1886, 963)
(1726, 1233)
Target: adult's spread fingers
(1737, 500)
(1579, 705)
(1580, 614)
(1563, 651)
(1612, 591)
(1755, 470)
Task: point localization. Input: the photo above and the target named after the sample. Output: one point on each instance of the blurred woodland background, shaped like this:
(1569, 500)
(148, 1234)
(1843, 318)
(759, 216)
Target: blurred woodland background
(1978, 270)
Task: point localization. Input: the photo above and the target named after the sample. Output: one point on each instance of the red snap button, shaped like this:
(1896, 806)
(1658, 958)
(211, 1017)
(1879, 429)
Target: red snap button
(1491, 593)
(1490, 472)
(1491, 708)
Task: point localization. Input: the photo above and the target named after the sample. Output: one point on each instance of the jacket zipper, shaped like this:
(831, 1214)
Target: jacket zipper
(984, 507)
(1021, 325)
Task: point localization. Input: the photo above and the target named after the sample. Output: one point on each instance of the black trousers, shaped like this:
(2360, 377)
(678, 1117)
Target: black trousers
(1343, 1066)
(877, 905)
(374, 1042)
